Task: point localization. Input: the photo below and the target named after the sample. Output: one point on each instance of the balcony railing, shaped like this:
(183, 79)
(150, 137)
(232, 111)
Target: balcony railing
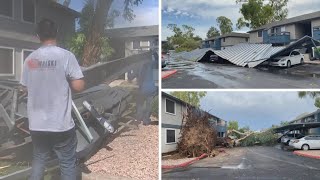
(278, 38)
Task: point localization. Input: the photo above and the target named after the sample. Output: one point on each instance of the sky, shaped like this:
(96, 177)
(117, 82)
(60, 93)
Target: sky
(256, 109)
(146, 13)
(202, 14)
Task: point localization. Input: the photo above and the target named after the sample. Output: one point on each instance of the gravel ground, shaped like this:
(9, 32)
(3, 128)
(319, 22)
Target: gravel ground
(133, 154)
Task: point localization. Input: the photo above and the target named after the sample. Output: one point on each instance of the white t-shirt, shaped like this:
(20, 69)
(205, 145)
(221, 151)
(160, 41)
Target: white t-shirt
(46, 72)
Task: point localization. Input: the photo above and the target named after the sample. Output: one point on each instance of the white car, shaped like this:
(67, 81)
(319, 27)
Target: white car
(306, 142)
(294, 58)
(286, 138)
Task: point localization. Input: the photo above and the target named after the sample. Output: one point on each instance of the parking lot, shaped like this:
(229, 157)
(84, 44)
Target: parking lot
(257, 162)
(210, 75)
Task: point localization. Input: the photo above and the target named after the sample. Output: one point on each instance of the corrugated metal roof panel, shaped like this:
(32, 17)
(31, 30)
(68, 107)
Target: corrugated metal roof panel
(243, 53)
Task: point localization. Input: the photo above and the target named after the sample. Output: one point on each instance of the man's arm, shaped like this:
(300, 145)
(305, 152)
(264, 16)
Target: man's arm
(77, 85)
(74, 75)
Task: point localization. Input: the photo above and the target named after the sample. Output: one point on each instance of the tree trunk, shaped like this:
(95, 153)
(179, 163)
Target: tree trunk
(92, 48)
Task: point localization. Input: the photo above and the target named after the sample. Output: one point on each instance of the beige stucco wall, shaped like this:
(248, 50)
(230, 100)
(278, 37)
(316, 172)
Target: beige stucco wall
(254, 38)
(230, 41)
(172, 120)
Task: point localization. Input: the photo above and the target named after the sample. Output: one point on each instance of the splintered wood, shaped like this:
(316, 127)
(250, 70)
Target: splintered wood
(197, 135)
(133, 154)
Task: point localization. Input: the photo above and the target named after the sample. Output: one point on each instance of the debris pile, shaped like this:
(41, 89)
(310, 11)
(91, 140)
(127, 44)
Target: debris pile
(198, 136)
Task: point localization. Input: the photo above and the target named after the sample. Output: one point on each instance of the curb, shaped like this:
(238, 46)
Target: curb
(306, 155)
(168, 74)
(185, 164)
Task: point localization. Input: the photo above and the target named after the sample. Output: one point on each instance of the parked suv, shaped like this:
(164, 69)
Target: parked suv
(306, 142)
(295, 57)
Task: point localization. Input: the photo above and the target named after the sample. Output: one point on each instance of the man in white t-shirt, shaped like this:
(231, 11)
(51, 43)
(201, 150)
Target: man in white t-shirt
(50, 74)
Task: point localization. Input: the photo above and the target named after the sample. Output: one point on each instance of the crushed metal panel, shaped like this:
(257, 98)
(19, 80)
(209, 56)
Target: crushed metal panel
(304, 42)
(264, 56)
(243, 53)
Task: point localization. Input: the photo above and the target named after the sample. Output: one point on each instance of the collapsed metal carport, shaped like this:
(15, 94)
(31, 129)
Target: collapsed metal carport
(246, 54)
(297, 126)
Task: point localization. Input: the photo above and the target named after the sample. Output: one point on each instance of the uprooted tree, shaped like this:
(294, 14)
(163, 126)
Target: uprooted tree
(198, 136)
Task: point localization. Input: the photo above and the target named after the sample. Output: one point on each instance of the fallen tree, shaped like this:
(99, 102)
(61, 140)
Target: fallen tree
(198, 136)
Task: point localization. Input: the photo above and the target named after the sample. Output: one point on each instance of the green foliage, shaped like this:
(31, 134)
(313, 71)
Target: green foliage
(78, 41)
(317, 52)
(187, 45)
(225, 25)
(255, 13)
(313, 94)
(192, 98)
(244, 129)
(213, 32)
(183, 38)
(233, 125)
(266, 138)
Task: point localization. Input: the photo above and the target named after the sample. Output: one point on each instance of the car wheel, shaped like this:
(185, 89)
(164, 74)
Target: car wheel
(305, 147)
(301, 61)
(288, 64)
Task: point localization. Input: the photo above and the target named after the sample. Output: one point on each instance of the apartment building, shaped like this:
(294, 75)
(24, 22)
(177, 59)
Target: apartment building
(18, 39)
(172, 115)
(285, 31)
(225, 41)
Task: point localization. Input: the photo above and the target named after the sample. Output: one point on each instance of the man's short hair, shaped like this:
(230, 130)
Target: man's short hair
(46, 29)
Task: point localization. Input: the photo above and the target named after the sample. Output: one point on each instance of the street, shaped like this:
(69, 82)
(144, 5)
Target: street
(250, 163)
(209, 75)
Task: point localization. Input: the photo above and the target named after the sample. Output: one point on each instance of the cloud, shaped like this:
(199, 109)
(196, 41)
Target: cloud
(259, 110)
(207, 11)
(144, 16)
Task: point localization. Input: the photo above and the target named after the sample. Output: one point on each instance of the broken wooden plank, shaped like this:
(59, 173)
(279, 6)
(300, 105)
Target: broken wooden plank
(3, 167)
(14, 105)
(7, 99)
(4, 92)
(6, 118)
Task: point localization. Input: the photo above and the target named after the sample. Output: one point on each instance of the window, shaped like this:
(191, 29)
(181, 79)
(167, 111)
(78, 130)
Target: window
(6, 61)
(28, 11)
(224, 39)
(6, 8)
(170, 106)
(145, 45)
(247, 39)
(171, 136)
(259, 33)
(25, 54)
(295, 53)
(136, 45)
(141, 45)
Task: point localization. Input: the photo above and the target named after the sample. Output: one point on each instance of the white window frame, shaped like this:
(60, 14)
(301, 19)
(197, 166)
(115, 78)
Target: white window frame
(35, 14)
(165, 106)
(22, 55)
(13, 59)
(140, 44)
(175, 136)
(9, 17)
(144, 47)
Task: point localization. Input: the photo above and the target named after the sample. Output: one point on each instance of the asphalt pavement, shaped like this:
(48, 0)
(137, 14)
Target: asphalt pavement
(259, 162)
(209, 75)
